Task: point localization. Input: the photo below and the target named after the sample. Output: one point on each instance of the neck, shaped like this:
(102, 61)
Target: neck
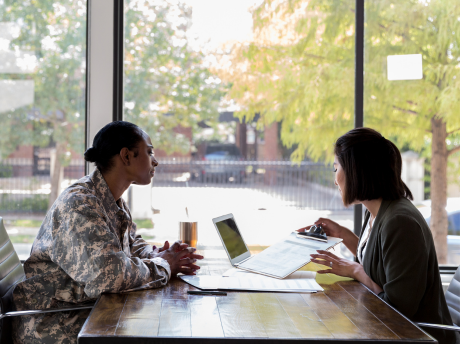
(116, 183)
(373, 206)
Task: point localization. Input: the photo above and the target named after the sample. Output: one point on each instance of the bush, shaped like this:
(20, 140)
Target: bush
(6, 171)
(23, 203)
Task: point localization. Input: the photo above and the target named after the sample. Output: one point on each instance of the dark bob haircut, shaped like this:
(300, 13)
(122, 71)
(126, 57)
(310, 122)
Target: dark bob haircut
(372, 166)
(110, 140)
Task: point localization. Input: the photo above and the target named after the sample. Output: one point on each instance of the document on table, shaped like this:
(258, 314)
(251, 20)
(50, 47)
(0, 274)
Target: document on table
(298, 282)
(287, 256)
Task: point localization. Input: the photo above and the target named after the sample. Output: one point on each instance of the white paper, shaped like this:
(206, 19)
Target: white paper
(281, 259)
(404, 67)
(299, 281)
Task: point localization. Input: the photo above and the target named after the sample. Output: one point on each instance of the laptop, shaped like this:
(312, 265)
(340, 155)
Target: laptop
(279, 260)
(231, 238)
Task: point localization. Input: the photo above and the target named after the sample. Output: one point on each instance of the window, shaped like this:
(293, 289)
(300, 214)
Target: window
(411, 74)
(198, 80)
(42, 107)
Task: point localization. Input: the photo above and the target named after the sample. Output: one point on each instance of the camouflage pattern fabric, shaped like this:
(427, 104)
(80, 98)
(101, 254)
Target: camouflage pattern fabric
(87, 245)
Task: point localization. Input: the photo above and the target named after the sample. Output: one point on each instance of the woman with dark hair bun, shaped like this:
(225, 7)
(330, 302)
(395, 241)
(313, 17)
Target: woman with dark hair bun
(87, 244)
(395, 255)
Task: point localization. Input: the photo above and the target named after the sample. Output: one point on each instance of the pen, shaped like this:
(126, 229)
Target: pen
(202, 292)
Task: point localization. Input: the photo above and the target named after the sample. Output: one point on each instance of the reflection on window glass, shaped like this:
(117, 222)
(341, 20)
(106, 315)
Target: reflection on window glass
(412, 87)
(243, 101)
(42, 108)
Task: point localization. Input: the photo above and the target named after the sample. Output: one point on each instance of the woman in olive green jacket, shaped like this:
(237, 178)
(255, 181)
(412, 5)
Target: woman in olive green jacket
(395, 253)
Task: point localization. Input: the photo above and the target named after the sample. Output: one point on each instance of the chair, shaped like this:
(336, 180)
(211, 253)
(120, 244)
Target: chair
(453, 303)
(11, 273)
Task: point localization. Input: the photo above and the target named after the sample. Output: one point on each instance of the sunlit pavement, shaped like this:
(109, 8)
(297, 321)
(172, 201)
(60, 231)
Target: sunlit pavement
(263, 220)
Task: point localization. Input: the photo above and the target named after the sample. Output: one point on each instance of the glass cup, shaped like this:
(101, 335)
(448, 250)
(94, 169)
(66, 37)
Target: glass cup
(188, 232)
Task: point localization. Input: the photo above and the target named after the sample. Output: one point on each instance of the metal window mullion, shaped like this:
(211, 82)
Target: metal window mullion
(359, 92)
(118, 58)
(104, 61)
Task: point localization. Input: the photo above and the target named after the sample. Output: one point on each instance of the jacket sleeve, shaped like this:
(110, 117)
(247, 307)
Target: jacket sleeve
(405, 261)
(142, 249)
(139, 247)
(90, 253)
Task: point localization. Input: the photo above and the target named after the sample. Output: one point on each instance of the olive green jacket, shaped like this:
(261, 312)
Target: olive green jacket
(401, 258)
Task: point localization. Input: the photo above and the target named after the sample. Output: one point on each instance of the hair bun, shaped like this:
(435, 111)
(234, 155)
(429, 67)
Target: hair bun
(91, 154)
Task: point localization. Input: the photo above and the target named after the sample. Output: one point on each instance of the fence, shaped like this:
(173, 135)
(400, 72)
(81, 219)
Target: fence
(24, 188)
(305, 185)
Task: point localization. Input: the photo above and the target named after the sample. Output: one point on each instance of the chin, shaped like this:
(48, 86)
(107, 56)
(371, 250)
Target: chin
(142, 182)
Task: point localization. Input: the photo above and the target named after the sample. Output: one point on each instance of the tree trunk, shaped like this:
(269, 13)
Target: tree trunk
(57, 172)
(439, 157)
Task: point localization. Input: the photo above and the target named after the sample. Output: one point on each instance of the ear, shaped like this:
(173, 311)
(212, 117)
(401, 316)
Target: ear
(125, 156)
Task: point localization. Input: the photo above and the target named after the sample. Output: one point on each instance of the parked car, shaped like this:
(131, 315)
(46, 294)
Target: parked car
(215, 165)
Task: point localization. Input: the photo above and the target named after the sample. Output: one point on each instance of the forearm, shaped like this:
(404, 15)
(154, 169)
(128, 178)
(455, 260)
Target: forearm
(361, 276)
(350, 240)
(116, 272)
(142, 249)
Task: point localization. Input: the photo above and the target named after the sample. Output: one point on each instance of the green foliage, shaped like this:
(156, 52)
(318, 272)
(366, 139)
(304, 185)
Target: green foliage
(167, 83)
(55, 33)
(305, 77)
(22, 238)
(404, 109)
(32, 204)
(6, 171)
(143, 223)
(26, 223)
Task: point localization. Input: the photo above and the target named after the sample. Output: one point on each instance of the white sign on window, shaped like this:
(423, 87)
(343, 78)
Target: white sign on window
(404, 67)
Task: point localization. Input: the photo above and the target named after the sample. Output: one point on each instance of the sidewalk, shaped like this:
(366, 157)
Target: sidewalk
(263, 220)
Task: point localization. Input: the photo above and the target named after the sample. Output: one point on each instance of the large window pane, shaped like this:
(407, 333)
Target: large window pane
(411, 93)
(243, 101)
(42, 108)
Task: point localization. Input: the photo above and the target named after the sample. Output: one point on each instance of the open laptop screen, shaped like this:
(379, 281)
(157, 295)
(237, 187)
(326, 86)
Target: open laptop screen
(231, 237)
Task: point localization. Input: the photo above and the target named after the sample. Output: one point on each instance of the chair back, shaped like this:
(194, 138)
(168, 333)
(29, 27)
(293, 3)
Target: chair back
(453, 298)
(11, 272)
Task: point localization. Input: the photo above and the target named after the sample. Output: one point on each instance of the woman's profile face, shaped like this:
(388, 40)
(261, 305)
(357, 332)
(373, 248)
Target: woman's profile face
(339, 176)
(143, 166)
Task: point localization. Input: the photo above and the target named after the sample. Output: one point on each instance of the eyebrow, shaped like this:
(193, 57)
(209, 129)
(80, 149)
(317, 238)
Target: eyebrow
(150, 146)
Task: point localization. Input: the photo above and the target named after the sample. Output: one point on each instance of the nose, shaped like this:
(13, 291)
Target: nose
(154, 162)
(335, 182)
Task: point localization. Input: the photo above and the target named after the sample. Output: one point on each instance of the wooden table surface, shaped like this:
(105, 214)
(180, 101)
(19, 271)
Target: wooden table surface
(345, 312)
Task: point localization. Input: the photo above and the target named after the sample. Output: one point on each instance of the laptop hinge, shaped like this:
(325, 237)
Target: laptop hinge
(243, 261)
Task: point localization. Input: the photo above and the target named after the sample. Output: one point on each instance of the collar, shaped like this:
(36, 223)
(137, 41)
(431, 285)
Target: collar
(382, 210)
(108, 201)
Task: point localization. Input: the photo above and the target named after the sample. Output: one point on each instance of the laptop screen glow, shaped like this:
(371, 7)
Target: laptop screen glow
(231, 237)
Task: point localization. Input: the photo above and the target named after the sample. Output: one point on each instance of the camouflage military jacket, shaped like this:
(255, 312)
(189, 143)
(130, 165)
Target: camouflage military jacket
(87, 245)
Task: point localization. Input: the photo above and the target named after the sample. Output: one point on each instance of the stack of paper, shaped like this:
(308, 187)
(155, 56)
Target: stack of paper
(287, 256)
(299, 281)
(235, 279)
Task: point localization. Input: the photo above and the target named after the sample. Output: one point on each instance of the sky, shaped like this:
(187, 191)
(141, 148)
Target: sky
(216, 22)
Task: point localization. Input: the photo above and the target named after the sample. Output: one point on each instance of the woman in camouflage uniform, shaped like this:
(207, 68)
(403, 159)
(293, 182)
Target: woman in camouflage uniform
(87, 244)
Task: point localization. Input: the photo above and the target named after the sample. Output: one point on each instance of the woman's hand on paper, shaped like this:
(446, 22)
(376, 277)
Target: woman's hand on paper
(338, 266)
(333, 229)
(345, 268)
(330, 227)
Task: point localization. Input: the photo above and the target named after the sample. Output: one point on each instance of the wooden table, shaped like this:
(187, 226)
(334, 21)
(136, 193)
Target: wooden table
(345, 312)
